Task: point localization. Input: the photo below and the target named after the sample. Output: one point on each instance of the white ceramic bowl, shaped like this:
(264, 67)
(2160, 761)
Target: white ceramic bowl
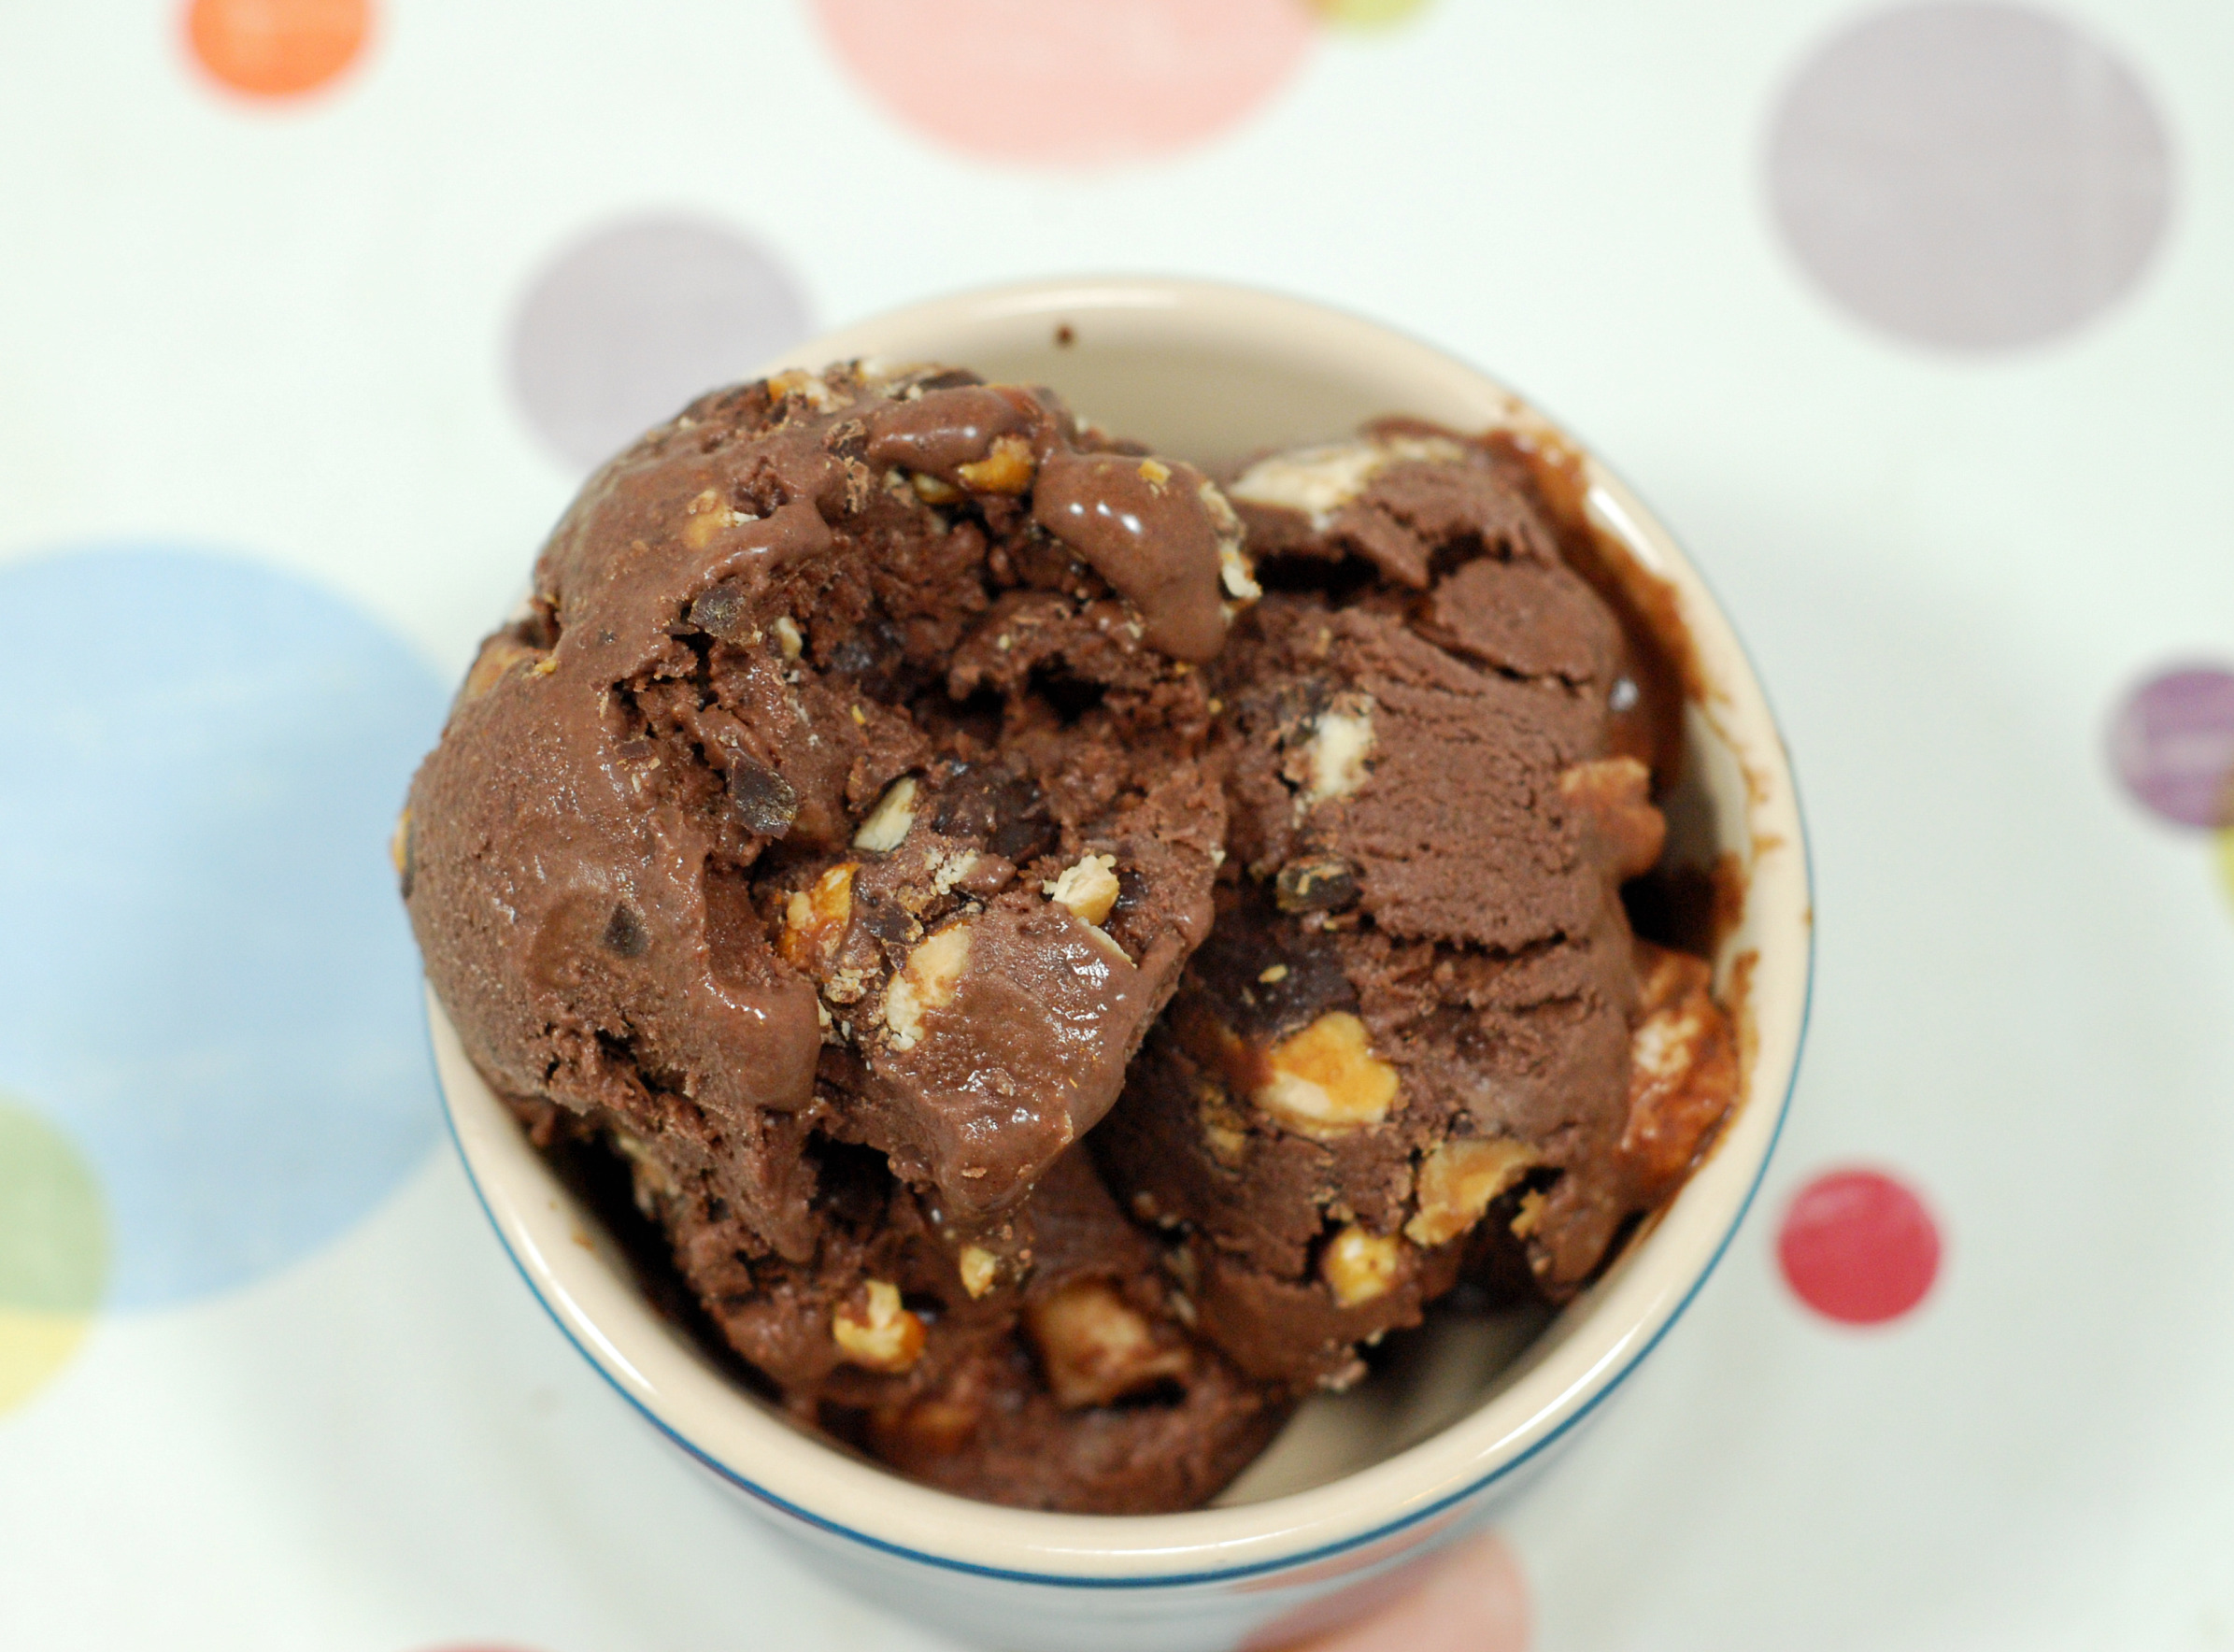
(1359, 1487)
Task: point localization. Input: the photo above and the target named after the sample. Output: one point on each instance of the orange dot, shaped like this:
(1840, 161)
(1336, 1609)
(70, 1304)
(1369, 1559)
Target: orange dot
(276, 47)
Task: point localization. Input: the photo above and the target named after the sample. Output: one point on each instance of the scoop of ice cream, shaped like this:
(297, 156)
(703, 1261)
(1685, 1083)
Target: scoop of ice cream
(840, 783)
(1419, 1008)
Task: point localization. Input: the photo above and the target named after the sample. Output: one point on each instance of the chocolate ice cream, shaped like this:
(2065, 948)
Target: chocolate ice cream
(1422, 1026)
(878, 754)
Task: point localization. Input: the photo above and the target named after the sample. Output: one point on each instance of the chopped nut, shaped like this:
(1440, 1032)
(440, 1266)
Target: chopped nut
(878, 1335)
(1458, 1182)
(889, 821)
(933, 490)
(1007, 469)
(927, 982)
(816, 919)
(1318, 481)
(798, 383)
(1532, 1213)
(1224, 1130)
(1089, 887)
(1096, 1348)
(497, 656)
(1155, 471)
(706, 516)
(788, 636)
(1360, 1266)
(979, 1269)
(927, 1428)
(1335, 761)
(1324, 1081)
(1614, 795)
(1273, 975)
(1683, 1066)
(1235, 571)
(1320, 883)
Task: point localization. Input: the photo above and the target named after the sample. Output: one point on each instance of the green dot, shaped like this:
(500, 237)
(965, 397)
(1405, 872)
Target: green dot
(53, 1238)
(1367, 14)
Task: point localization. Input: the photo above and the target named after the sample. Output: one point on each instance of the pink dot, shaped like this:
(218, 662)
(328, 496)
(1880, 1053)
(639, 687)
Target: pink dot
(1859, 1247)
(1472, 1597)
(1069, 82)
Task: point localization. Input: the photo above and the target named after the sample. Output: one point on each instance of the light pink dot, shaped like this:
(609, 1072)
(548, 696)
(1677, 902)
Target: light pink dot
(1069, 82)
(1472, 1596)
(1858, 1247)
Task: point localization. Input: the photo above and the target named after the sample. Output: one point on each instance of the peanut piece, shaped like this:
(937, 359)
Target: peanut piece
(878, 1333)
(1459, 1181)
(1324, 1081)
(928, 982)
(1006, 469)
(1683, 1066)
(498, 656)
(889, 821)
(706, 516)
(816, 919)
(1096, 1348)
(1334, 763)
(979, 1268)
(1614, 795)
(1088, 888)
(1359, 1267)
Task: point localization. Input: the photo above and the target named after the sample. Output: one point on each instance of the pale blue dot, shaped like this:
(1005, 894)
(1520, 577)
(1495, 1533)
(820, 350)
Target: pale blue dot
(205, 974)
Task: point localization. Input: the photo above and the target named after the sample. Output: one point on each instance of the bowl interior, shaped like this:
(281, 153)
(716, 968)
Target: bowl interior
(1214, 373)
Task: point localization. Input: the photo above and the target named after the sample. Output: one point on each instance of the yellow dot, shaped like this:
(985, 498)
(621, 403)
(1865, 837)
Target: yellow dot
(33, 1347)
(53, 1251)
(2226, 861)
(1367, 14)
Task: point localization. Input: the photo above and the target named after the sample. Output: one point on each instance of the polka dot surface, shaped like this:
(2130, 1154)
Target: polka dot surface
(2172, 742)
(1473, 1598)
(621, 329)
(1367, 14)
(53, 1251)
(1069, 82)
(206, 976)
(276, 47)
(1971, 176)
(1858, 1247)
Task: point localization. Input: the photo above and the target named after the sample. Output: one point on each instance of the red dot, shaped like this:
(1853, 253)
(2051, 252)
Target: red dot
(1859, 1247)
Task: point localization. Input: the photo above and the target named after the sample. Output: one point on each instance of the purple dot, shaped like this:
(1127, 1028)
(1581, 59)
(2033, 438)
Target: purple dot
(626, 325)
(1970, 176)
(2172, 743)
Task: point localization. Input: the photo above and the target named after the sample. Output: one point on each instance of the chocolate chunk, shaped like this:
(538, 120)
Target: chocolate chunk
(625, 936)
(721, 612)
(1320, 884)
(765, 800)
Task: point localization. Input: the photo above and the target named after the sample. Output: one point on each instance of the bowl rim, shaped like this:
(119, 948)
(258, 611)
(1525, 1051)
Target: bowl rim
(704, 1416)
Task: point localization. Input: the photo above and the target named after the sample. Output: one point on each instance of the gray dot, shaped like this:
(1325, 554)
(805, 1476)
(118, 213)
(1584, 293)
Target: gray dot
(1972, 176)
(626, 325)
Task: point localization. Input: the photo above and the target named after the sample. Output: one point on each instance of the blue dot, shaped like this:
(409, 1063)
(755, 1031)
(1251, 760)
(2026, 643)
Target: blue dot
(205, 974)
